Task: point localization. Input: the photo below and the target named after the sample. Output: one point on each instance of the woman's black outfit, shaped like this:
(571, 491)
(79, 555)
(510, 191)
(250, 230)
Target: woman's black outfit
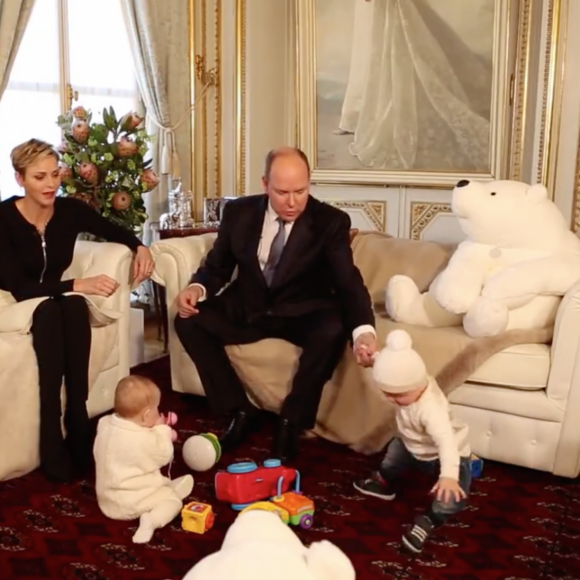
(31, 266)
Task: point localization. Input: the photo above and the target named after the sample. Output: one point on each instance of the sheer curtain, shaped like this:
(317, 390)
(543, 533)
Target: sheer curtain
(31, 102)
(100, 68)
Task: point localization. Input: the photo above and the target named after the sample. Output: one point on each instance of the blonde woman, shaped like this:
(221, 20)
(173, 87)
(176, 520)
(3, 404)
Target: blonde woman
(38, 232)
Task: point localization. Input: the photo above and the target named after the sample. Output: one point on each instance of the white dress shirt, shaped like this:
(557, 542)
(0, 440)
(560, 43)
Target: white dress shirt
(269, 231)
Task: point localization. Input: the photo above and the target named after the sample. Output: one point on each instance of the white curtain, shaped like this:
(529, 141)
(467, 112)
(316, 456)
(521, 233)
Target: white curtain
(158, 37)
(14, 15)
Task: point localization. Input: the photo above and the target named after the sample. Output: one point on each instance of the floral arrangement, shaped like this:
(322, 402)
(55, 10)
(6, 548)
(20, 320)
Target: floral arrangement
(103, 164)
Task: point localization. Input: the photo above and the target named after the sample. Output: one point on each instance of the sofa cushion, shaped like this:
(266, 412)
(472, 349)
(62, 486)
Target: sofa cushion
(524, 366)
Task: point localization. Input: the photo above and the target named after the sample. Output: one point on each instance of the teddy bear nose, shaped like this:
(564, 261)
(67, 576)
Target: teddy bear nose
(462, 183)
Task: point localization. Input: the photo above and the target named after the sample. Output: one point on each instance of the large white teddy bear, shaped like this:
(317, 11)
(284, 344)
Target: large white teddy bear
(259, 546)
(518, 259)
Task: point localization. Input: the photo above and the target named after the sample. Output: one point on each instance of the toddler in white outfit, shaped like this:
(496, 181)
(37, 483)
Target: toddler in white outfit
(429, 438)
(131, 447)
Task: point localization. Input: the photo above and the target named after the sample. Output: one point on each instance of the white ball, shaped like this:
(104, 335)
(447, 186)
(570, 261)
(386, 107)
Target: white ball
(399, 340)
(199, 453)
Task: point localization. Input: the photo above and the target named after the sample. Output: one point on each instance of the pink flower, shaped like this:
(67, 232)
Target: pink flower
(65, 172)
(149, 178)
(127, 147)
(121, 201)
(63, 147)
(132, 120)
(80, 131)
(89, 172)
(80, 113)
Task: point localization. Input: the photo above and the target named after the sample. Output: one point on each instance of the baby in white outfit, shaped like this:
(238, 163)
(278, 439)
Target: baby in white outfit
(131, 447)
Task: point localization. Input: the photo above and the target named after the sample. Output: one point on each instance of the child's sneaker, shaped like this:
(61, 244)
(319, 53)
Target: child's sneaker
(375, 487)
(415, 538)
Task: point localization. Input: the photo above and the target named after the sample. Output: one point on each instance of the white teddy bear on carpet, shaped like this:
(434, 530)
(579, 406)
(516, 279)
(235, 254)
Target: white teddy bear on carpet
(259, 546)
(517, 261)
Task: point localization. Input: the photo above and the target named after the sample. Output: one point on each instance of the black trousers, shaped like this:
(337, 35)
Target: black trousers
(61, 337)
(321, 336)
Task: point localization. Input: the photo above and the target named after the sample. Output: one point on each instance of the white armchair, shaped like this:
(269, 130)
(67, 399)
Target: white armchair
(522, 405)
(175, 260)
(19, 411)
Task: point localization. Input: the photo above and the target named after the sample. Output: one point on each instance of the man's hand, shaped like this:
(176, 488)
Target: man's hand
(447, 489)
(187, 301)
(364, 349)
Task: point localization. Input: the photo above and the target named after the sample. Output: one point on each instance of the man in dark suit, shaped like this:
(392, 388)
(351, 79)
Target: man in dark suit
(295, 280)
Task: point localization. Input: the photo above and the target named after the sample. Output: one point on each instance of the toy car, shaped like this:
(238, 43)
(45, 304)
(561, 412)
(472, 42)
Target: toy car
(292, 507)
(243, 484)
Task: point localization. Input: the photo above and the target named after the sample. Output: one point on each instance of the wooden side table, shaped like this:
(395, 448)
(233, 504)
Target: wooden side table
(159, 295)
(197, 230)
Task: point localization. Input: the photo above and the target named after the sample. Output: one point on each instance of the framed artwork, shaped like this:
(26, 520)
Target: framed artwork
(404, 91)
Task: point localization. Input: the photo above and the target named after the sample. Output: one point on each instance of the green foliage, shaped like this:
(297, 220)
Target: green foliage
(103, 164)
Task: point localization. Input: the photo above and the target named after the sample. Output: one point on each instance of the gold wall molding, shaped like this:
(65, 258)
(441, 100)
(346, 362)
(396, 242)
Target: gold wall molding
(240, 121)
(375, 211)
(423, 213)
(521, 88)
(205, 49)
(576, 198)
(191, 32)
(550, 100)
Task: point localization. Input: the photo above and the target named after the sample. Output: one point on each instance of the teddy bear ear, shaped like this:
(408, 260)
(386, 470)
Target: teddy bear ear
(328, 562)
(537, 193)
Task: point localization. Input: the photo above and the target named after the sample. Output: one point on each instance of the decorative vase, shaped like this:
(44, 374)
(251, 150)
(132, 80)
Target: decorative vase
(180, 209)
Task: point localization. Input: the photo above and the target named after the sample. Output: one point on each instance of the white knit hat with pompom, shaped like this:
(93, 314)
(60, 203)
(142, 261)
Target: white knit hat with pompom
(398, 368)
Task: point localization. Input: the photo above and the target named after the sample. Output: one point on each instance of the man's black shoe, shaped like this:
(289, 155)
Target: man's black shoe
(238, 430)
(285, 446)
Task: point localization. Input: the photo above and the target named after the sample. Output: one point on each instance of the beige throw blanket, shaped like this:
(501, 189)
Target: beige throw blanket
(352, 411)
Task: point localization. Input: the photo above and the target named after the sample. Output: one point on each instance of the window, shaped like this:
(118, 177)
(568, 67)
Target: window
(74, 52)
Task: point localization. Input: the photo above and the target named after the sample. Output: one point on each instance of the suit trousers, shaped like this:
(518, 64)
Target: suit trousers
(320, 334)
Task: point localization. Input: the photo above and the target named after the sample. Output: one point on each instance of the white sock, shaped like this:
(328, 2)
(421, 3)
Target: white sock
(145, 530)
(158, 517)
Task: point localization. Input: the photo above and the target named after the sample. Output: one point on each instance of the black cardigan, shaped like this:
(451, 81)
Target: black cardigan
(32, 265)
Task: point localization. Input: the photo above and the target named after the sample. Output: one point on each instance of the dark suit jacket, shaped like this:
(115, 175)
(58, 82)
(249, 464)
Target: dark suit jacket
(316, 269)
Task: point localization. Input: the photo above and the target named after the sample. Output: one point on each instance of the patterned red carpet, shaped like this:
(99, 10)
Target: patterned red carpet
(520, 525)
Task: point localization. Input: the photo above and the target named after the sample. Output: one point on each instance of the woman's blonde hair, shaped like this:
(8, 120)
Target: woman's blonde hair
(27, 153)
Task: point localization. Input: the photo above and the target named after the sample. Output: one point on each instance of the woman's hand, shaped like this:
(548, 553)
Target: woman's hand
(101, 285)
(143, 265)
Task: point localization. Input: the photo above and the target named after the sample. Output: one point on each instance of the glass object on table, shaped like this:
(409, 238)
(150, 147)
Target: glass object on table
(213, 208)
(180, 214)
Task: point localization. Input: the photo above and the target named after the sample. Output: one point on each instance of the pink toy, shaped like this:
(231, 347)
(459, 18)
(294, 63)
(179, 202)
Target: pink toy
(170, 419)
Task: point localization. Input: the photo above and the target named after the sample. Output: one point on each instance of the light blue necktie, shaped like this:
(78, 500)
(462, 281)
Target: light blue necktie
(275, 252)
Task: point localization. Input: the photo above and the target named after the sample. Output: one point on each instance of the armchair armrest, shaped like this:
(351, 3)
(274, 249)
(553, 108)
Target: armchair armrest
(114, 260)
(564, 381)
(177, 259)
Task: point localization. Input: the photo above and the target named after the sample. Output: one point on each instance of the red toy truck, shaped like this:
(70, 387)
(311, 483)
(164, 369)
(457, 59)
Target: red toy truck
(244, 483)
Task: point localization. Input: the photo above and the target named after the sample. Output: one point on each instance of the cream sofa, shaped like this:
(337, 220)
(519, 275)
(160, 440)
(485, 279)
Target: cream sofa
(19, 371)
(522, 404)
